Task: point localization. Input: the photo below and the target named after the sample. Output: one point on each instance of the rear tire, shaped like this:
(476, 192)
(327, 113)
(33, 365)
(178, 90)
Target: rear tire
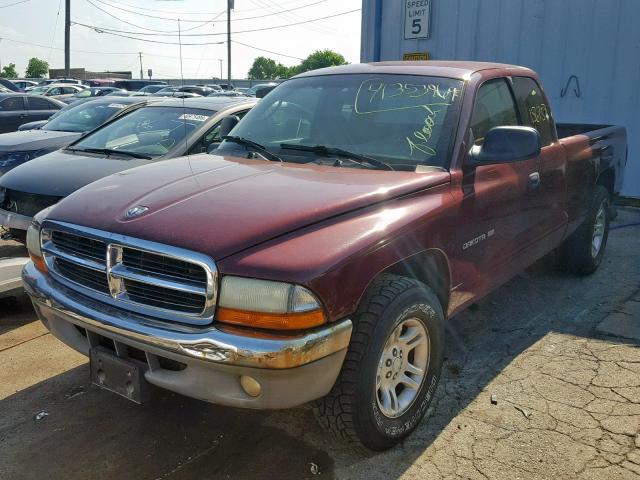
(583, 250)
(392, 367)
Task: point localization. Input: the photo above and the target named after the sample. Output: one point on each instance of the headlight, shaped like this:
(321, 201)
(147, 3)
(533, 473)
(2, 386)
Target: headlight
(33, 245)
(11, 159)
(267, 304)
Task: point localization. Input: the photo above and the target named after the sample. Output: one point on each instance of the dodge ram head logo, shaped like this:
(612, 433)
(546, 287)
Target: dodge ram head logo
(136, 211)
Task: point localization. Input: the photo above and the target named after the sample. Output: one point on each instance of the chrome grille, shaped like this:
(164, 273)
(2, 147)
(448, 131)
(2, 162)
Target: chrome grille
(138, 275)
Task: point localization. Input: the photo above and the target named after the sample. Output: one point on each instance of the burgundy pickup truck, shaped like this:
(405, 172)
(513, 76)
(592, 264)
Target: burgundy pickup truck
(317, 254)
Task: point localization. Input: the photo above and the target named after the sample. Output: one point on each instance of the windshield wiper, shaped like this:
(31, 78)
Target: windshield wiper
(109, 151)
(255, 146)
(337, 152)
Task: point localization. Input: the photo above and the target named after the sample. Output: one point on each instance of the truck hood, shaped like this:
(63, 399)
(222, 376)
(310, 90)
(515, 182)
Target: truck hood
(29, 140)
(222, 205)
(62, 172)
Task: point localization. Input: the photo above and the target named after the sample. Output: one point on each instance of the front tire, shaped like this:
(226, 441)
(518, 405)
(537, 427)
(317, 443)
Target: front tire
(584, 249)
(392, 366)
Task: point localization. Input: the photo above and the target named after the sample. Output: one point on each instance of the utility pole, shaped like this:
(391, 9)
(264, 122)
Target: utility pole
(67, 39)
(1, 57)
(141, 74)
(220, 60)
(229, 8)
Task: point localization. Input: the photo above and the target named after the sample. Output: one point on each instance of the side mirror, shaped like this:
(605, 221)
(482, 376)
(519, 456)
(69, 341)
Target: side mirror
(506, 145)
(262, 92)
(227, 125)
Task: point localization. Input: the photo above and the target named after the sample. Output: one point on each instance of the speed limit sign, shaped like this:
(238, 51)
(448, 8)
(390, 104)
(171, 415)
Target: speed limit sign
(417, 16)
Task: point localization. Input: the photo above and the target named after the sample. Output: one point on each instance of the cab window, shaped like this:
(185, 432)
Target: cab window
(534, 109)
(494, 107)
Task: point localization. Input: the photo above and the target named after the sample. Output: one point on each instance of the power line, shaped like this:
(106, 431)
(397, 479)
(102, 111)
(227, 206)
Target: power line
(267, 51)
(97, 53)
(117, 31)
(155, 10)
(15, 3)
(158, 17)
(217, 15)
(108, 32)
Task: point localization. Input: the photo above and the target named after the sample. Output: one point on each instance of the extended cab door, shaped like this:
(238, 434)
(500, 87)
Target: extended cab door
(498, 218)
(550, 198)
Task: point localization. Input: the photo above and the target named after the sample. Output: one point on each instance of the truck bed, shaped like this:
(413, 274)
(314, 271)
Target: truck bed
(608, 144)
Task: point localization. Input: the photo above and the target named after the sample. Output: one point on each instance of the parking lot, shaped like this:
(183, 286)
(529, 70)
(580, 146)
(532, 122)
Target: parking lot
(542, 380)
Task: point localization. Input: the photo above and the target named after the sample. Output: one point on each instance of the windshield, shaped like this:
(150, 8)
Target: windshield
(406, 121)
(38, 90)
(150, 131)
(84, 118)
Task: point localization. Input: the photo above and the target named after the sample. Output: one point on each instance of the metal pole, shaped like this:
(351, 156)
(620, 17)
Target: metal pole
(0, 56)
(220, 60)
(229, 7)
(141, 74)
(67, 39)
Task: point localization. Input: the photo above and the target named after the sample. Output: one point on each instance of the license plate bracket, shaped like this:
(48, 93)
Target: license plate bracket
(123, 376)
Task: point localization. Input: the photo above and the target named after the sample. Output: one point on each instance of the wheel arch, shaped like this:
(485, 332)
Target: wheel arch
(430, 267)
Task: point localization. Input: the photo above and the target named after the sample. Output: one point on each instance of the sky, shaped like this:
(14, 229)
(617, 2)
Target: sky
(35, 28)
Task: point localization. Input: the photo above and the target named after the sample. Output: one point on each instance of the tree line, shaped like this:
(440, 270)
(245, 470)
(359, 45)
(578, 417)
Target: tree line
(37, 68)
(265, 68)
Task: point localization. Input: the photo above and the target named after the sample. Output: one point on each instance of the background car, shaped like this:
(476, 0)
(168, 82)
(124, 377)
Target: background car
(134, 85)
(8, 85)
(254, 88)
(23, 84)
(91, 92)
(157, 131)
(19, 108)
(67, 126)
(175, 92)
(229, 93)
(150, 89)
(226, 86)
(61, 91)
(99, 82)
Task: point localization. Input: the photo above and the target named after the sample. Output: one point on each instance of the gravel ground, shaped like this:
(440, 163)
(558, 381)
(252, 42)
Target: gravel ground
(558, 354)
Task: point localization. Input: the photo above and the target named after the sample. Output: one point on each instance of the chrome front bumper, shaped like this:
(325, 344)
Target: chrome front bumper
(292, 368)
(14, 220)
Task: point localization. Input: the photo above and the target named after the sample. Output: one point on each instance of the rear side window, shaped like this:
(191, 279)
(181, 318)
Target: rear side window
(36, 103)
(12, 104)
(533, 107)
(494, 108)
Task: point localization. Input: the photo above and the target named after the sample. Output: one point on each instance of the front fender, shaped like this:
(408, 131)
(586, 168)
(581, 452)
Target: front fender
(338, 258)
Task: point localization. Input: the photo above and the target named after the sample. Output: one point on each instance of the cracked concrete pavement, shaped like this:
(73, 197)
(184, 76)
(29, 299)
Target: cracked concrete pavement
(559, 355)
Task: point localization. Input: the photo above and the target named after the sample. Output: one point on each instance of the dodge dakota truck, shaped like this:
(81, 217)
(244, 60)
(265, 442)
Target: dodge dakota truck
(317, 254)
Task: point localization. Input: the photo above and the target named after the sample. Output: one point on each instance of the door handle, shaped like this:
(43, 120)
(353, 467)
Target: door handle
(534, 180)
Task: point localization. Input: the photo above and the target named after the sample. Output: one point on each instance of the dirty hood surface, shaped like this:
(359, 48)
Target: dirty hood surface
(222, 205)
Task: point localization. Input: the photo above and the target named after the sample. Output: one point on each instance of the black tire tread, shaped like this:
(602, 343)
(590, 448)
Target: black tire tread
(335, 411)
(577, 248)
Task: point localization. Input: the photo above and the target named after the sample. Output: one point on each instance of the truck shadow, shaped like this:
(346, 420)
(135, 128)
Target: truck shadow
(89, 433)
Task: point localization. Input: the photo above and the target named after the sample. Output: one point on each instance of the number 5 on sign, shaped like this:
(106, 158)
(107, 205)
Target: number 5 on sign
(417, 19)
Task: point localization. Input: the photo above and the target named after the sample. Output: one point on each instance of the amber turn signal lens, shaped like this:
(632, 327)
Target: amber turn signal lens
(38, 262)
(274, 321)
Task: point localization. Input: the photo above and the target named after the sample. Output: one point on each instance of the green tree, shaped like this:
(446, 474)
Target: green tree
(264, 68)
(320, 59)
(9, 71)
(37, 68)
